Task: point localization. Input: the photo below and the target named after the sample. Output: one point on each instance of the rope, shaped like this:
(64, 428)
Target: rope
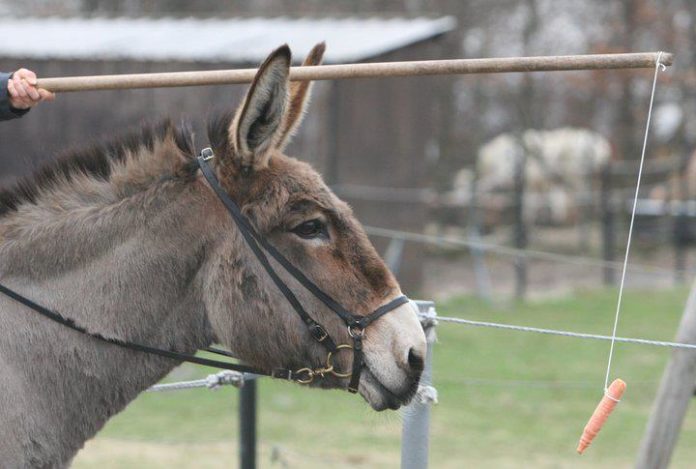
(510, 251)
(577, 335)
(658, 66)
(426, 395)
(214, 381)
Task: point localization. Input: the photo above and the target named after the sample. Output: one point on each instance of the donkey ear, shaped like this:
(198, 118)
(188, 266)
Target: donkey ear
(300, 92)
(257, 126)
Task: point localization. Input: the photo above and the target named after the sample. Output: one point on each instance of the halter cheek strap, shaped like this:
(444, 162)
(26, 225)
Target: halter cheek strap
(356, 324)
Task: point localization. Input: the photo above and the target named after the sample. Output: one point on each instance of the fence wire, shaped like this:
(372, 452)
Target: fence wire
(511, 251)
(577, 335)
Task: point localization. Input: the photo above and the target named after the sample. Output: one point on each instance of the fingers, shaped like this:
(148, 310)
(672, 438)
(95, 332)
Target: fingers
(19, 94)
(23, 91)
(27, 75)
(46, 95)
(19, 86)
(16, 100)
(28, 90)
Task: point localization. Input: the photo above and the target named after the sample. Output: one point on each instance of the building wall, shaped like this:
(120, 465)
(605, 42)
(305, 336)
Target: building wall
(383, 127)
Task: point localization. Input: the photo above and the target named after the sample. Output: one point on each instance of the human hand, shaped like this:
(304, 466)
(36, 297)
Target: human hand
(23, 91)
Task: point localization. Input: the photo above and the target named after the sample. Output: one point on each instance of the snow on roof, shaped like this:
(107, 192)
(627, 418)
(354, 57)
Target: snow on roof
(236, 40)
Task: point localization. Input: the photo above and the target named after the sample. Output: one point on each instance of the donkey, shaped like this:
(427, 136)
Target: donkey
(128, 241)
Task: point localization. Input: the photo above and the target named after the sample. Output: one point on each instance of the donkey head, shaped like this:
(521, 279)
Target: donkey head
(289, 204)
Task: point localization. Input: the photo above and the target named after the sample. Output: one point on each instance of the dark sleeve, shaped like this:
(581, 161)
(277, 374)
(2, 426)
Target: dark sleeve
(7, 112)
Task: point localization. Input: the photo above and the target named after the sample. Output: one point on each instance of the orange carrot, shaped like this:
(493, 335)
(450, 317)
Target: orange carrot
(611, 397)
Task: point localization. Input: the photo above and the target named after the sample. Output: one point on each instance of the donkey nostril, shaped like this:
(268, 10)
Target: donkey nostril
(415, 361)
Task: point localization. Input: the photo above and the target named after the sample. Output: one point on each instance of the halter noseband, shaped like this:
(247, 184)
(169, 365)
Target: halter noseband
(356, 324)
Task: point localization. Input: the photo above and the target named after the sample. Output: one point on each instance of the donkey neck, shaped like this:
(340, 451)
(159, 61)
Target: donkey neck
(116, 267)
(128, 270)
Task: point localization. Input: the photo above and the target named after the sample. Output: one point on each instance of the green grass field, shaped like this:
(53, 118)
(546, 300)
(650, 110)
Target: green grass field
(507, 399)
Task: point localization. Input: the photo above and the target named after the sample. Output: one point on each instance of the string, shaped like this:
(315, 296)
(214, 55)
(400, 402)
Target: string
(658, 66)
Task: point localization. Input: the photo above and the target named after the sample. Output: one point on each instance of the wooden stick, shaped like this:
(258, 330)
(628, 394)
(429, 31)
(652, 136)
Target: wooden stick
(363, 70)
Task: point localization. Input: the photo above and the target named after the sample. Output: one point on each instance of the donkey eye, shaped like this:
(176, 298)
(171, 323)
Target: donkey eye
(311, 229)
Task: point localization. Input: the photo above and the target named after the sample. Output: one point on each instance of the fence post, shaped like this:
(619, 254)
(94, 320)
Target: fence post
(608, 225)
(586, 202)
(680, 224)
(673, 398)
(483, 278)
(520, 227)
(680, 220)
(247, 425)
(415, 435)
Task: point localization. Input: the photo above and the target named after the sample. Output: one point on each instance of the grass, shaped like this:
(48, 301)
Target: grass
(507, 399)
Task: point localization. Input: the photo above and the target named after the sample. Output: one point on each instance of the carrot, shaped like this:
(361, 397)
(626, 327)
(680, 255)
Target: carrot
(612, 396)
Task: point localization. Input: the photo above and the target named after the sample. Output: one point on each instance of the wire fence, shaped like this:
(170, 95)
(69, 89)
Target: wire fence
(577, 335)
(237, 379)
(511, 251)
(530, 383)
(418, 412)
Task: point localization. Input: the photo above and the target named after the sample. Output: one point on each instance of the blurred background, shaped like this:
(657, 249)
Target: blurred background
(501, 197)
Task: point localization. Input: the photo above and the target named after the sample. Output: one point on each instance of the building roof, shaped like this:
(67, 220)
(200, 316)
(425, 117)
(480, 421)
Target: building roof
(235, 40)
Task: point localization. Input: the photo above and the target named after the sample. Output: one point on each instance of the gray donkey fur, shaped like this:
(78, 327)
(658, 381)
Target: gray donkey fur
(142, 250)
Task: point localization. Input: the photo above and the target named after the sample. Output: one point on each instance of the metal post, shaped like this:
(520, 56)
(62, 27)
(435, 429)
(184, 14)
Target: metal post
(681, 222)
(247, 425)
(679, 239)
(393, 255)
(415, 435)
(608, 225)
(481, 273)
(585, 202)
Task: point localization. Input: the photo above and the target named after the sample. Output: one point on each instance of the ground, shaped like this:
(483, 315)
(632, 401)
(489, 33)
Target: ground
(507, 399)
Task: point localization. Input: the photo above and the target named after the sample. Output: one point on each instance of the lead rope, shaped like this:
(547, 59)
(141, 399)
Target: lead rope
(659, 66)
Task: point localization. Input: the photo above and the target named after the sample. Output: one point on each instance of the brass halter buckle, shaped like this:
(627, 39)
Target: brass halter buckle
(307, 375)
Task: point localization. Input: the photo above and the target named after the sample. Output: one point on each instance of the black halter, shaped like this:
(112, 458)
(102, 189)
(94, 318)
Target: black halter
(356, 324)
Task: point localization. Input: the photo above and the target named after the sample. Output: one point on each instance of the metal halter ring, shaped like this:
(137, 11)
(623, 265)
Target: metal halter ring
(329, 362)
(329, 368)
(308, 379)
(356, 330)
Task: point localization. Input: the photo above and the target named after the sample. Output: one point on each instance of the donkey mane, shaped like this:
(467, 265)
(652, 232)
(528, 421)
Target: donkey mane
(99, 160)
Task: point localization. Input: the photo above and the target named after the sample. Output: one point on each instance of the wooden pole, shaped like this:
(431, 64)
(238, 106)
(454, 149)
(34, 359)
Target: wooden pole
(520, 227)
(673, 398)
(362, 70)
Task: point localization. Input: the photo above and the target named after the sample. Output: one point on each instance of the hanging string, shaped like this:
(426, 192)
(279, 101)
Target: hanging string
(659, 66)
